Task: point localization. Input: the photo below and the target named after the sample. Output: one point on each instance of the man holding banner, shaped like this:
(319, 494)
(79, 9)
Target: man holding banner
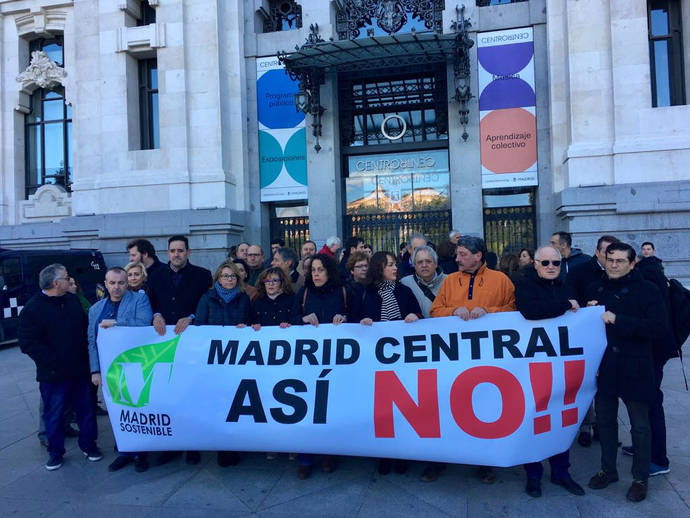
(633, 317)
(471, 293)
(537, 297)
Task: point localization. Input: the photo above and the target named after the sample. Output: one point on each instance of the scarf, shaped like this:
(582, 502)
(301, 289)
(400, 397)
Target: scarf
(390, 310)
(274, 296)
(226, 295)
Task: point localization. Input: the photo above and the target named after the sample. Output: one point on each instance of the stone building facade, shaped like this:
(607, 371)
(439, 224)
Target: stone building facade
(176, 149)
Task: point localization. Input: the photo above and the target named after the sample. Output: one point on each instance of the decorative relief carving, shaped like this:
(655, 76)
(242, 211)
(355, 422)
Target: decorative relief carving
(48, 203)
(42, 72)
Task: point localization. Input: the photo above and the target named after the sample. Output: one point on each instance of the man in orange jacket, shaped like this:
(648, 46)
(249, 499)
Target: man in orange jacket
(471, 293)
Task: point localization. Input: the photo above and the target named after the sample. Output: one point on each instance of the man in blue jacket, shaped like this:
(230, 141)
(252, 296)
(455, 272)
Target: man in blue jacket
(124, 308)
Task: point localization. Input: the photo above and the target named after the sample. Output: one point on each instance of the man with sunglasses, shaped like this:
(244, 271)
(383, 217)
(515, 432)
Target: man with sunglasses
(541, 294)
(634, 316)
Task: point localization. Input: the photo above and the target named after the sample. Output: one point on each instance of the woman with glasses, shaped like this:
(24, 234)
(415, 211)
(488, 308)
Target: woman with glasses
(386, 299)
(225, 304)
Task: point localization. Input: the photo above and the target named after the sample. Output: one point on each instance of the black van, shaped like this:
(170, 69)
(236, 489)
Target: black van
(19, 271)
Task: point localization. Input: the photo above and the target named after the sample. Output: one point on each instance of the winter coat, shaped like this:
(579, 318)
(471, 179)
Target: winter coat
(576, 257)
(269, 312)
(581, 276)
(325, 302)
(485, 288)
(411, 281)
(135, 310)
(627, 371)
(175, 302)
(537, 298)
(665, 345)
(52, 331)
(214, 311)
(407, 302)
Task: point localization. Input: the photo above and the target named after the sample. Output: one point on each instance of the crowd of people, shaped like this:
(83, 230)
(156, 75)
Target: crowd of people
(349, 283)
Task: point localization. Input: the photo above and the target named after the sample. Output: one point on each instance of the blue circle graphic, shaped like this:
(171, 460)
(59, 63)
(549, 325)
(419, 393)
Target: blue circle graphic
(275, 95)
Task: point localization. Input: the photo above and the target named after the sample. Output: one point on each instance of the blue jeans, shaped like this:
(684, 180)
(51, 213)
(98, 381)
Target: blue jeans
(559, 467)
(77, 394)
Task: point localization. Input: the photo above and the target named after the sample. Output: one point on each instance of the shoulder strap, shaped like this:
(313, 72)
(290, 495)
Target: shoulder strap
(425, 289)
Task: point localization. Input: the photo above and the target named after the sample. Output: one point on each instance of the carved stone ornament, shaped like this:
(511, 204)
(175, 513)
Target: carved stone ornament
(48, 203)
(42, 72)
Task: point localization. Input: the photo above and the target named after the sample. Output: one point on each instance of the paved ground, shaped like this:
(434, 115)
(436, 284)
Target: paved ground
(270, 488)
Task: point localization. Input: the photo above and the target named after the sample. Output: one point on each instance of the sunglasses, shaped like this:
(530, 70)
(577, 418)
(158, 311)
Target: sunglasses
(546, 262)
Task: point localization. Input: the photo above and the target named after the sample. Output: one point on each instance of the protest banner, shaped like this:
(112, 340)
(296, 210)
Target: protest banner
(499, 390)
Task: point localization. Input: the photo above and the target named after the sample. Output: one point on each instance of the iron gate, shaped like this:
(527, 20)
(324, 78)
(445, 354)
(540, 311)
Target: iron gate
(293, 230)
(385, 232)
(509, 229)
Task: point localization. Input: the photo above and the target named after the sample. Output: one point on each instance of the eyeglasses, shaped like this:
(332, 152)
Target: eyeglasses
(228, 276)
(546, 262)
(271, 281)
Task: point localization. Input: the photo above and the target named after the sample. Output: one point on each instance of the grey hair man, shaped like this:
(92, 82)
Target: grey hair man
(405, 267)
(52, 331)
(286, 259)
(426, 279)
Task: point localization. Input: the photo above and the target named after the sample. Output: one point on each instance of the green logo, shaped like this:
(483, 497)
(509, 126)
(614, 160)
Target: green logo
(147, 357)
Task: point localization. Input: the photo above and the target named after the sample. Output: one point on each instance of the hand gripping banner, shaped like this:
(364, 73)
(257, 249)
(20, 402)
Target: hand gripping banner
(499, 390)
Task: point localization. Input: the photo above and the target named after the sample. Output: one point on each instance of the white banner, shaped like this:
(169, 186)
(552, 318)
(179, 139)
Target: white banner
(497, 391)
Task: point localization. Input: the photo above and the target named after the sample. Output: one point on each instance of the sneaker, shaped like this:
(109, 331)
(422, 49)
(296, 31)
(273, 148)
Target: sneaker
(54, 463)
(141, 463)
(637, 491)
(655, 469)
(533, 487)
(93, 455)
(602, 480)
(120, 462)
(584, 439)
(628, 450)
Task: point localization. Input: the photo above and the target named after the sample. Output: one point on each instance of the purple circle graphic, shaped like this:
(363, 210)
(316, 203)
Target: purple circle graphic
(506, 93)
(503, 60)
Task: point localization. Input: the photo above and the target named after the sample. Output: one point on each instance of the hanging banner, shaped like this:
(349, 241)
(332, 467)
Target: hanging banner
(507, 108)
(282, 134)
(497, 391)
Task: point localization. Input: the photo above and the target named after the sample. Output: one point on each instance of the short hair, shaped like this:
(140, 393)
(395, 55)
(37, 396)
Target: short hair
(366, 245)
(144, 246)
(446, 250)
(558, 252)
(278, 241)
(331, 270)
(606, 239)
(415, 235)
(49, 275)
(288, 254)
(648, 243)
(231, 265)
(622, 247)
(116, 269)
(376, 265)
(284, 281)
(426, 249)
(454, 232)
(474, 245)
(136, 264)
(354, 258)
(352, 242)
(564, 237)
(179, 238)
(332, 241)
(308, 241)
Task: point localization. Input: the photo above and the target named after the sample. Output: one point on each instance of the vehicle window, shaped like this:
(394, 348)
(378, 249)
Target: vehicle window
(84, 268)
(11, 272)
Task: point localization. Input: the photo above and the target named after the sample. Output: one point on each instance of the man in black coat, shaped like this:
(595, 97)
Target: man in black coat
(634, 316)
(542, 295)
(175, 292)
(665, 347)
(578, 279)
(52, 331)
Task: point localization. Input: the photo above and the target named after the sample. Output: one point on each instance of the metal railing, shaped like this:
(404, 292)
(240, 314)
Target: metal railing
(293, 230)
(508, 229)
